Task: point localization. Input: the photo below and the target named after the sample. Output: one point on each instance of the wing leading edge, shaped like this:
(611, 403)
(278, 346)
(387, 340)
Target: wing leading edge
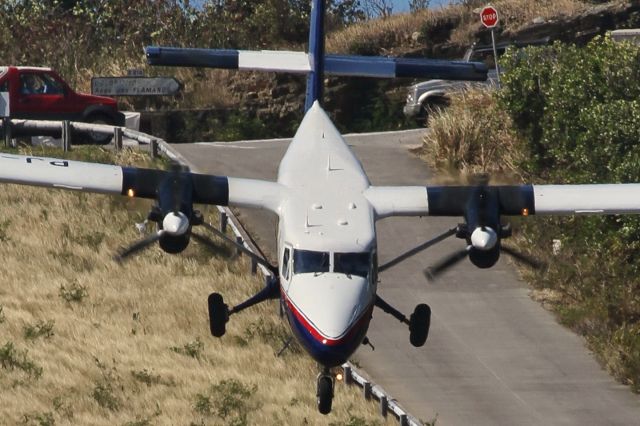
(135, 182)
(513, 200)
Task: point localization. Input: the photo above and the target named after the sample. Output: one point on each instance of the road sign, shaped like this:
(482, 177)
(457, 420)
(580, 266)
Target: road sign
(135, 86)
(489, 16)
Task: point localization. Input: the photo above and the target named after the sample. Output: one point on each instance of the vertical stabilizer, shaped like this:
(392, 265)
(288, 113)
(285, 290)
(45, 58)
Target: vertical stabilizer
(316, 54)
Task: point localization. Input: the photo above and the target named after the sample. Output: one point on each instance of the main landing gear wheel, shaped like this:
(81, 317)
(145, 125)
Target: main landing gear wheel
(218, 315)
(324, 393)
(419, 323)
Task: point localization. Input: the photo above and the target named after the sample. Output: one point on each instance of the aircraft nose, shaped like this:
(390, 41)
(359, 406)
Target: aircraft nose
(330, 303)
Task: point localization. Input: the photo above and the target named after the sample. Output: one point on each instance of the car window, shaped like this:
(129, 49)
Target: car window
(51, 85)
(486, 56)
(4, 86)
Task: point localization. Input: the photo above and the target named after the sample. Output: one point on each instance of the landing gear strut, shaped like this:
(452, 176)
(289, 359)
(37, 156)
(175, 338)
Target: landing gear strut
(418, 323)
(219, 312)
(324, 392)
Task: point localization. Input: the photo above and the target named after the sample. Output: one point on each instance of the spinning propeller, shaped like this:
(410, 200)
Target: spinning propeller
(174, 215)
(483, 230)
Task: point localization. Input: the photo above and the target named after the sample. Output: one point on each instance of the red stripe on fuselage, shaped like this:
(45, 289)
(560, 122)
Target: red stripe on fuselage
(308, 325)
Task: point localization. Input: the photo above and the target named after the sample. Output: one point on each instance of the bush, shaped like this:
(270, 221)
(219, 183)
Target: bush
(11, 359)
(40, 329)
(231, 400)
(578, 111)
(472, 135)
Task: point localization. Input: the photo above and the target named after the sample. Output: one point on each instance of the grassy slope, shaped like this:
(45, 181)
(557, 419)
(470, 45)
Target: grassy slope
(113, 348)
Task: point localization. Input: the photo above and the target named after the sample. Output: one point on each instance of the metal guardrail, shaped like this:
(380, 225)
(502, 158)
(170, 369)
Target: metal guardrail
(371, 390)
(67, 129)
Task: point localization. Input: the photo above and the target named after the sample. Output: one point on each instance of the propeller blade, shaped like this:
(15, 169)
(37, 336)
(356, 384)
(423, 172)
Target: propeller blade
(262, 261)
(137, 246)
(521, 257)
(208, 242)
(404, 256)
(433, 271)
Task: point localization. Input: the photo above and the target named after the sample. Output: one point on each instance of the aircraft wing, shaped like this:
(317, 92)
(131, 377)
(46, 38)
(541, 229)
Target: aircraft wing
(135, 182)
(512, 200)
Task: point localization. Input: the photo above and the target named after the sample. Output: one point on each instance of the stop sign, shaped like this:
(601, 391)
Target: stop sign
(489, 16)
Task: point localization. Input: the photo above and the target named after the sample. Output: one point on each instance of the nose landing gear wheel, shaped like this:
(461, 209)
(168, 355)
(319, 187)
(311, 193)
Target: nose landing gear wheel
(419, 323)
(218, 315)
(325, 394)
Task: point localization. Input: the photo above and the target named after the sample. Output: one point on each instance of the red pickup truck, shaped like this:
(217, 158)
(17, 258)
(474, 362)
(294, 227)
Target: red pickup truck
(41, 94)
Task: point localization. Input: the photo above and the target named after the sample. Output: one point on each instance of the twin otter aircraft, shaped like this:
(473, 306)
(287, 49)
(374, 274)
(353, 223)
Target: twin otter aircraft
(326, 276)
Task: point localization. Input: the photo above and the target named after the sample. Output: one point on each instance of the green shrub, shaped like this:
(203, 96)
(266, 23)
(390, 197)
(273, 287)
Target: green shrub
(39, 419)
(191, 349)
(578, 111)
(74, 292)
(230, 400)
(106, 387)
(39, 329)
(11, 359)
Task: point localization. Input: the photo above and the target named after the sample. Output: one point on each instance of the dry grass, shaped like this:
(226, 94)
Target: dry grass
(130, 344)
(394, 34)
(472, 136)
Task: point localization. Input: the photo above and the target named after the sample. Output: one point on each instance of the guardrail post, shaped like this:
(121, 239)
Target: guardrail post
(254, 266)
(404, 420)
(384, 406)
(224, 220)
(66, 135)
(117, 138)
(347, 375)
(154, 148)
(6, 128)
(239, 241)
(366, 389)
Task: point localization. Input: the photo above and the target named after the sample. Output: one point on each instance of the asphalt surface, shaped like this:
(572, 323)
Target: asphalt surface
(494, 356)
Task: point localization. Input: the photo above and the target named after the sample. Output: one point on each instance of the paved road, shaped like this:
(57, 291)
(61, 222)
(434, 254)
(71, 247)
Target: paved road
(494, 357)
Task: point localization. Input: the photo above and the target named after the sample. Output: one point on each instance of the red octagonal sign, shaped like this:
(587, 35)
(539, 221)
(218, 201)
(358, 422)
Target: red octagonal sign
(489, 16)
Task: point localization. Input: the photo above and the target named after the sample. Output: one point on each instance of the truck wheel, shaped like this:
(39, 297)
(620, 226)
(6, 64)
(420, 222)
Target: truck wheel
(95, 137)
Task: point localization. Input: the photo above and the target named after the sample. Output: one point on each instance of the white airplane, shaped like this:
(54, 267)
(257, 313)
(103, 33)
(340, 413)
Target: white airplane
(326, 277)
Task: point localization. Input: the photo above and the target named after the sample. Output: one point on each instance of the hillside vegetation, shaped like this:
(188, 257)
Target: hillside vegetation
(565, 115)
(82, 39)
(84, 340)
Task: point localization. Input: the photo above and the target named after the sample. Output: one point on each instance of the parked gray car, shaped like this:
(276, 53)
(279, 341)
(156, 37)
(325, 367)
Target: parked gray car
(431, 94)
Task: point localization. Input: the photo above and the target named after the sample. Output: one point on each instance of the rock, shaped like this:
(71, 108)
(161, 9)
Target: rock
(538, 20)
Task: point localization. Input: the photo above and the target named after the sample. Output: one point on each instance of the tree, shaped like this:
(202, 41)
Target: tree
(378, 8)
(416, 5)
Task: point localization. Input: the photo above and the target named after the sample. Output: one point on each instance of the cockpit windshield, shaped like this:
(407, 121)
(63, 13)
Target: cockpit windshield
(352, 263)
(310, 261)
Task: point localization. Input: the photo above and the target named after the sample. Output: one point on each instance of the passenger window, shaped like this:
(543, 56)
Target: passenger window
(51, 85)
(4, 86)
(285, 263)
(31, 84)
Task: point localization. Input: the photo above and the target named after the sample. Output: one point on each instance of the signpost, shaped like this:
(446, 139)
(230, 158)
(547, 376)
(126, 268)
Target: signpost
(135, 86)
(489, 18)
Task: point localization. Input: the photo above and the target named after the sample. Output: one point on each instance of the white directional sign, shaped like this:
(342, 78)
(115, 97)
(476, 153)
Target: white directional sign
(135, 86)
